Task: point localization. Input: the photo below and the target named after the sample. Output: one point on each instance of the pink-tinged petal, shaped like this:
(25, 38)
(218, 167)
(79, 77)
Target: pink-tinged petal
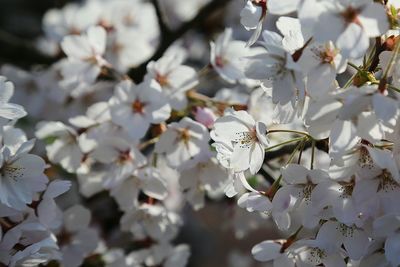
(76, 218)
(278, 7)
(261, 130)
(385, 107)
(374, 19)
(343, 136)
(254, 201)
(97, 38)
(250, 15)
(76, 47)
(256, 158)
(266, 251)
(57, 188)
(334, 260)
(320, 80)
(356, 244)
(392, 249)
(329, 234)
(295, 174)
(328, 27)
(353, 42)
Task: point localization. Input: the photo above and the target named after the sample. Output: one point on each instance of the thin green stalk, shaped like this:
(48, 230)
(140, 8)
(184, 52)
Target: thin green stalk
(355, 67)
(301, 153)
(284, 143)
(294, 151)
(348, 83)
(275, 186)
(290, 131)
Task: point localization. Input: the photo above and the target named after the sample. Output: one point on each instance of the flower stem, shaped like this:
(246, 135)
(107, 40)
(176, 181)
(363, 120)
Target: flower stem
(290, 131)
(291, 240)
(208, 101)
(355, 67)
(148, 143)
(5, 224)
(301, 152)
(275, 186)
(284, 143)
(348, 83)
(312, 154)
(295, 150)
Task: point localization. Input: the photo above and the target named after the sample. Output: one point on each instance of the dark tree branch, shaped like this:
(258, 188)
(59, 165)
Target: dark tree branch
(164, 29)
(379, 48)
(21, 52)
(138, 73)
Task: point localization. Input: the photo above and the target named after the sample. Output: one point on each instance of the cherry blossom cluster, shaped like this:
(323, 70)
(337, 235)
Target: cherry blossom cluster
(294, 115)
(34, 230)
(344, 214)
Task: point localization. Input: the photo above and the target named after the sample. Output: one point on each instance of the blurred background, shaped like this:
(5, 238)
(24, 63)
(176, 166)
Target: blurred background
(220, 234)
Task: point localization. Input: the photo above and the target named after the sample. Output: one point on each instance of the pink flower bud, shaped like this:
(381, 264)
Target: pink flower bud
(205, 116)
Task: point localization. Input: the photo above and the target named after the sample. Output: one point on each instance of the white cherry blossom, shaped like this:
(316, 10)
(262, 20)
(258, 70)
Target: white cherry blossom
(65, 148)
(347, 23)
(22, 176)
(135, 107)
(147, 180)
(184, 143)
(83, 238)
(174, 78)
(206, 178)
(277, 63)
(85, 55)
(246, 137)
(8, 111)
(226, 57)
(252, 18)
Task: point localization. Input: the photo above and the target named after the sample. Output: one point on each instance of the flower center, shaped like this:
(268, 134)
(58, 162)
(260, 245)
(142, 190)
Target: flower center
(138, 106)
(220, 61)
(246, 139)
(185, 135)
(124, 156)
(365, 160)
(13, 172)
(129, 20)
(327, 56)
(307, 190)
(117, 48)
(74, 31)
(316, 255)
(346, 190)
(261, 3)
(386, 182)
(350, 15)
(106, 25)
(162, 79)
(345, 230)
